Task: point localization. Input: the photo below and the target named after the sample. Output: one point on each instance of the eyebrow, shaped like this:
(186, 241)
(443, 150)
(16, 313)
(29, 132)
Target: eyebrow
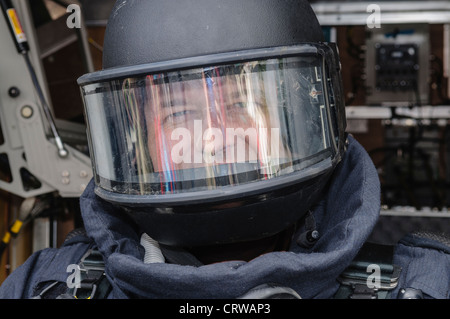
(176, 99)
(178, 95)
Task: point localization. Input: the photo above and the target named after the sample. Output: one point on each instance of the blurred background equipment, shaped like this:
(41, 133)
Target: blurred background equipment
(44, 157)
(397, 65)
(396, 82)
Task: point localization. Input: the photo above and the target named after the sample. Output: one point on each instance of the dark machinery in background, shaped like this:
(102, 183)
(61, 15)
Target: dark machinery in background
(397, 65)
(400, 72)
(396, 79)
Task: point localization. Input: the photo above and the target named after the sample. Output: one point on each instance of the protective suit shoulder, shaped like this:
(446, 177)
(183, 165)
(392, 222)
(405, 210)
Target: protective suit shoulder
(425, 260)
(43, 268)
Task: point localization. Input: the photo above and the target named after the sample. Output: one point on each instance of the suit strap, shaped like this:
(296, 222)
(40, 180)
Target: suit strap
(371, 275)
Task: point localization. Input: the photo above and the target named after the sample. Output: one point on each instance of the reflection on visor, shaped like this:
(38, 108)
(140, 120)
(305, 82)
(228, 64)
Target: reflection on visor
(209, 127)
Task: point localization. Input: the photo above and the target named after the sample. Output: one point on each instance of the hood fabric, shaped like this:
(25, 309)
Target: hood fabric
(344, 218)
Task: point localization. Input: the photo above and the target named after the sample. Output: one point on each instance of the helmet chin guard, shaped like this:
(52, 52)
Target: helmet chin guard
(232, 221)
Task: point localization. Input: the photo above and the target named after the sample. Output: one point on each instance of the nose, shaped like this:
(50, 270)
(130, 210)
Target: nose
(207, 127)
(213, 140)
(213, 117)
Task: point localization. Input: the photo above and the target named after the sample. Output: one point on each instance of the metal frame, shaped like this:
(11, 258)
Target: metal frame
(392, 12)
(24, 128)
(407, 211)
(419, 112)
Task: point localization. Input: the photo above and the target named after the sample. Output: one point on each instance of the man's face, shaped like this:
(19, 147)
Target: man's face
(201, 122)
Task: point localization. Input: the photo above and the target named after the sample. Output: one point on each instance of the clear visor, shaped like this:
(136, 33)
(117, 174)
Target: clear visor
(208, 128)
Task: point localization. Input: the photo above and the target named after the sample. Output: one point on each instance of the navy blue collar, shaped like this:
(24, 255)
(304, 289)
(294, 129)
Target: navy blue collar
(345, 218)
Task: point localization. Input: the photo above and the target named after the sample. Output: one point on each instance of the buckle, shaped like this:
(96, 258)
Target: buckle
(355, 280)
(90, 290)
(91, 273)
(363, 292)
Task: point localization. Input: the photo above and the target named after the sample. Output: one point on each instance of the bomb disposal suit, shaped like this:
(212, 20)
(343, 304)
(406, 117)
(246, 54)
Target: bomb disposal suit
(222, 168)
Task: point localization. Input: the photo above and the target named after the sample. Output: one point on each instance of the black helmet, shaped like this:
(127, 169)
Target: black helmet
(214, 121)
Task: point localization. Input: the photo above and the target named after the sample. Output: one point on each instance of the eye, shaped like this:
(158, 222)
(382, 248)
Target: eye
(175, 116)
(179, 114)
(238, 105)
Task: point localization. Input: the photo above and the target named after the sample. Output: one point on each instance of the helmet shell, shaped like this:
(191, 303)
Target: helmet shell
(159, 33)
(150, 31)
